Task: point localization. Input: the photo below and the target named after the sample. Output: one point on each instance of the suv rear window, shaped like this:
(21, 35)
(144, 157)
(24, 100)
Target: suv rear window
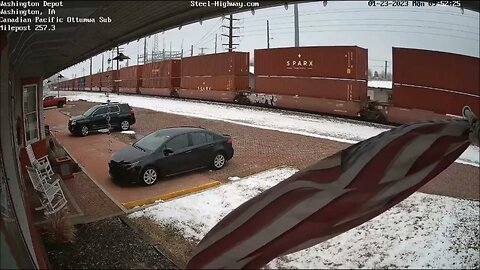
(125, 107)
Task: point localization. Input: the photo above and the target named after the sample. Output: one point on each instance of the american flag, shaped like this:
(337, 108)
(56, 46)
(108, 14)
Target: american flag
(332, 196)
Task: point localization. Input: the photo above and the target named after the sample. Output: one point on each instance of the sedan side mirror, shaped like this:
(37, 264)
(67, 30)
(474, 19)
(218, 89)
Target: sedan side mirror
(167, 151)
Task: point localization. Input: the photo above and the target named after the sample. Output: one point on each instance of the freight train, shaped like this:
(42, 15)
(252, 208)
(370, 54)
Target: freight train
(322, 79)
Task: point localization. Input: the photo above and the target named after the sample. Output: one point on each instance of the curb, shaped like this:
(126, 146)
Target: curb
(89, 176)
(168, 196)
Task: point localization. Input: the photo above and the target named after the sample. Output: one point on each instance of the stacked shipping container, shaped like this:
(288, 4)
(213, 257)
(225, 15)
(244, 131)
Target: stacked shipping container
(214, 76)
(160, 78)
(129, 79)
(314, 75)
(426, 82)
(108, 80)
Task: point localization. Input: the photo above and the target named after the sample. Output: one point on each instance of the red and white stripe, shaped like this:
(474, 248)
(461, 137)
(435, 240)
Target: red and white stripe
(332, 196)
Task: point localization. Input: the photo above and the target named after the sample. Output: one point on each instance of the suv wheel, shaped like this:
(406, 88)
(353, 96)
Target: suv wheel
(84, 130)
(149, 176)
(60, 105)
(125, 125)
(219, 161)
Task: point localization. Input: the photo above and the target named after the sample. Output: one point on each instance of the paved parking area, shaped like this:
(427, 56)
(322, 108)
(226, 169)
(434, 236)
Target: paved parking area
(256, 150)
(93, 152)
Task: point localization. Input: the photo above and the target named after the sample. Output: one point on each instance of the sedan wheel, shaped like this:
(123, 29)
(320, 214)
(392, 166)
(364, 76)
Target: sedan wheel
(125, 125)
(149, 176)
(219, 161)
(84, 130)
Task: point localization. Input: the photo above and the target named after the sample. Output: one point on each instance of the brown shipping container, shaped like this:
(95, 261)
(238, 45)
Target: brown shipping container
(130, 78)
(88, 82)
(164, 74)
(337, 107)
(220, 83)
(405, 116)
(313, 87)
(107, 79)
(350, 62)
(229, 63)
(156, 91)
(437, 101)
(70, 84)
(436, 69)
(225, 96)
(96, 78)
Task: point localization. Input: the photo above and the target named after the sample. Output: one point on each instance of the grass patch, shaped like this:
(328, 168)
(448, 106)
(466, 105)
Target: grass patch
(168, 238)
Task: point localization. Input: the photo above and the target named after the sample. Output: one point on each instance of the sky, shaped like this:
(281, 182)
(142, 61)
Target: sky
(338, 23)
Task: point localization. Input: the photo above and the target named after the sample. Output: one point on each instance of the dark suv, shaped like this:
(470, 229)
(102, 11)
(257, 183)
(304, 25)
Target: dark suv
(121, 115)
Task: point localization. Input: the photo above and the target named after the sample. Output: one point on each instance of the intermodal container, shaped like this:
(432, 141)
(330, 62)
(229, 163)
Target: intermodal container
(88, 82)
(315, 87)
(96, 81)
(448, 71)
(348, 62)
(163, 74)
(229, 63)
(108, 79)
(70, 84)
(129, 79)
(438, 101)
(81, 83)
(220, 83)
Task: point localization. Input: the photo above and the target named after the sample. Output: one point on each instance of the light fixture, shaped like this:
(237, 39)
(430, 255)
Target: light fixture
(286, 6)
(253, 11)
(325, 3)
(120, 57)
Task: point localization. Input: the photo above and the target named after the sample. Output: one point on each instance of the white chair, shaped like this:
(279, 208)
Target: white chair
(50, 192)
(42, 164)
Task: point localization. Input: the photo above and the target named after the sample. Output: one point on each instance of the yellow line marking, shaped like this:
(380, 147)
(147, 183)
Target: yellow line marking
(168, 196)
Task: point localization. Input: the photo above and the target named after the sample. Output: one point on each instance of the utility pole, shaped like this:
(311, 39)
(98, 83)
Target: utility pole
(386, 63)
(145, 50)
(91, 65)
(295, 15)
(102, 62)
(230, 33)
(215, 43)
(191, 51)
(163, 49)
(268, 35)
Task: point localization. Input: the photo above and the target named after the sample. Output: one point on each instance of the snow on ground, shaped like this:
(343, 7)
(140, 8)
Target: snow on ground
(128, 132)
(423, 231)
(326, 127)
(380, 84)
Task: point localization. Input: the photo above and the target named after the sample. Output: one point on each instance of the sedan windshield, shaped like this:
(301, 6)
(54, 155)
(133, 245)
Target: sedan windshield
(89, 111)
(151, 142)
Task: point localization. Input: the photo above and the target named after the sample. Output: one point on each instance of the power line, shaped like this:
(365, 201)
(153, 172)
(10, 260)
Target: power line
(208, 33)
(374, 25)
(372, 19)
(357, 10)
(369, 30)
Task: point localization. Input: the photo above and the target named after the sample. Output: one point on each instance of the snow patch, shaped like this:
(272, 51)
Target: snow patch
(423, 231)
(128, 132)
